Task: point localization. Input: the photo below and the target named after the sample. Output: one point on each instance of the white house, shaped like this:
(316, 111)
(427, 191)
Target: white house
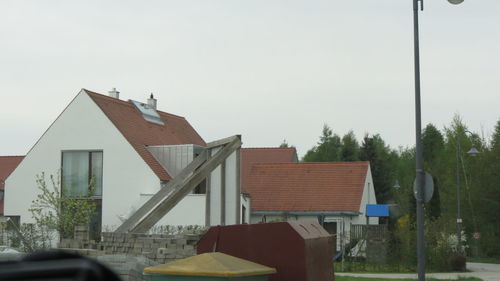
(334, 193)
(130, 149)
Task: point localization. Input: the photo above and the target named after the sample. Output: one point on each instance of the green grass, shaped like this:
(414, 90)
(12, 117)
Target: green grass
(484, 260)
(349, 278)
(363, 267)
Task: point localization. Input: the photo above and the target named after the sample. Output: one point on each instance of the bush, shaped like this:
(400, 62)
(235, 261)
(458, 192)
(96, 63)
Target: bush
(442, 250)
(54, 212)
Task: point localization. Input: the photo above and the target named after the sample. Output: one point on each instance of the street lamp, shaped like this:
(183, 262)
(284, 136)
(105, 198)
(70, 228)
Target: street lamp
(472, 152)
(396, 185)
(418, 146)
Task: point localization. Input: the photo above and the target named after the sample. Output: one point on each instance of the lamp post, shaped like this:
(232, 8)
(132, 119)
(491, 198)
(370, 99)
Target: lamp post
(472, 152)
(418, 146)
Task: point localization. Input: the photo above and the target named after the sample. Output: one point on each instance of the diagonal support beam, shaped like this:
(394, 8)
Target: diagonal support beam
(168, 197)
(162, 193)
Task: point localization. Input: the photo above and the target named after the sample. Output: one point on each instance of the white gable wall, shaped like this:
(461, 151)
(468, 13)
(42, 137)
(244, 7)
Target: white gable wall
(368, 198)
(83, 126)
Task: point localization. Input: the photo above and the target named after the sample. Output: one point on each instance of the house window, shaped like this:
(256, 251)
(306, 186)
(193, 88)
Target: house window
(82, 170)
(81, 177)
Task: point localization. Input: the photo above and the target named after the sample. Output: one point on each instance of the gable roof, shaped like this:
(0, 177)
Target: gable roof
(250, 156)
(325, 186)
(7, 165)
(141, 133)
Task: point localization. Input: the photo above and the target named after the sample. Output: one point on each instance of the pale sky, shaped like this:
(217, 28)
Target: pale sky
(268, 70)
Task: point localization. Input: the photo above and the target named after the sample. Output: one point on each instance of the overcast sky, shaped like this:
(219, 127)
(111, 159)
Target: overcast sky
(269, 70)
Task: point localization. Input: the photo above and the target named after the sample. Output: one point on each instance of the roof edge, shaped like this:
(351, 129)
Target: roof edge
(128, 102)
(46, 130)
(312, 213)
(160, 177)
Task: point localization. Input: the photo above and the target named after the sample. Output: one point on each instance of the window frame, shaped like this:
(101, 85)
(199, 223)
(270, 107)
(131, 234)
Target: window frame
(89, 167)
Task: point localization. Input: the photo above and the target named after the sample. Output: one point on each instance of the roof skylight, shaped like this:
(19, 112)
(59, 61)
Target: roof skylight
(148, 113)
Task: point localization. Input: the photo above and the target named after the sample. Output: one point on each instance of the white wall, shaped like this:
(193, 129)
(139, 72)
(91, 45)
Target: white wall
(232, 191)
(246, 202)
(215, 190)
(189, 211)
(83, 126)
(367, 198)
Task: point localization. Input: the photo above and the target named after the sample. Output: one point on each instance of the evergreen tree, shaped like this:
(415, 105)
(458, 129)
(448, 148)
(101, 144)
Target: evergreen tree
(433, 146)
(433, 143)
(383, 165)
(328, 148)
(433, 207)
(284, 144)
(350, 147)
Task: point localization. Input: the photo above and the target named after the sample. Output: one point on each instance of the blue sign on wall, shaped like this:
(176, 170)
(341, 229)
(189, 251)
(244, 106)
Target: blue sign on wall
(377, 210)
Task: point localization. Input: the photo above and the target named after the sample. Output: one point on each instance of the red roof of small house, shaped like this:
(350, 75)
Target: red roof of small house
(250, 156)
(141, 133)
(7, 165)
(326, 186)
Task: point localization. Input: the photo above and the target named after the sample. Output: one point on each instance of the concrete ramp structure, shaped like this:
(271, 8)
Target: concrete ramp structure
(219, 164)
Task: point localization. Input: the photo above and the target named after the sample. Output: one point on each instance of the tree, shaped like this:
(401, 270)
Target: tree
(350, 147)
(484, 181)
(59, 213)
(433, 148)
(328, 148)
(495, 139)
(433, 143)
(284, 144)
(383, 165)
(433, 209)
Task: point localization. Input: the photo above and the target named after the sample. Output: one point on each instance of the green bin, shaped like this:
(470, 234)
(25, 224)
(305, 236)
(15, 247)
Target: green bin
(209, 267)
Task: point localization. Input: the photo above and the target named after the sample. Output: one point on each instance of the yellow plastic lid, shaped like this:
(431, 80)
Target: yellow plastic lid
(211, 264)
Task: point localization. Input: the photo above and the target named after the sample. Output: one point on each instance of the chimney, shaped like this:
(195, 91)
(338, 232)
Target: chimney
(152, 102)
(114, 93)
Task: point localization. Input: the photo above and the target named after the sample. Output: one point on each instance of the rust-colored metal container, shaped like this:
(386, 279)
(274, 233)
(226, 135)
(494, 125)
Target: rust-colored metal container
(299, 250)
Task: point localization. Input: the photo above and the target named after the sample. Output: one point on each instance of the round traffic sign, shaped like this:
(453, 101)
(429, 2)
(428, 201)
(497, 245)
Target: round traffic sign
(428, 189)
(476, 235)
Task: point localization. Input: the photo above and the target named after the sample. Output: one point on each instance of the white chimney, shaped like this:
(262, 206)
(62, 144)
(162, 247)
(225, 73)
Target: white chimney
(114, 93)
(152, 102)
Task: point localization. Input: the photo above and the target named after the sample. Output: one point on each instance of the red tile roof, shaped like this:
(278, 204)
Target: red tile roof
(326, 186)
(141, 133)
(7, 165)
(250, 156)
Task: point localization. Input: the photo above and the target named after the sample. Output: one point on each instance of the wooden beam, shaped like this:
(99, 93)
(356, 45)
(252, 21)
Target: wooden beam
(162, 193)
(187, 185)
(223, 141)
